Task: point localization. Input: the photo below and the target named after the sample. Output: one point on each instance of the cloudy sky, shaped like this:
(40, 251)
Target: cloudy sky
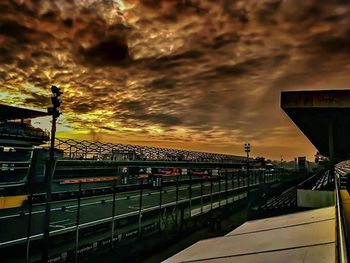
(202, 75)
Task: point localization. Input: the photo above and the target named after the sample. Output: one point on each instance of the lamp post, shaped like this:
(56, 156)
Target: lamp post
(55, 112)
(50, 167)
(281, 167)
(247, 150)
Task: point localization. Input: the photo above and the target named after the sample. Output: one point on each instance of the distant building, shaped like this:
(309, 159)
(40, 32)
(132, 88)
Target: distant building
(302, 163)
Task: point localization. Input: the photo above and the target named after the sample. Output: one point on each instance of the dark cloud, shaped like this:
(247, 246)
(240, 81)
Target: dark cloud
(108, 128)
(37, 99)
(173, 61)
(133, 106)
(14, 30)
(138, 111)
(225, 39)
(265, 15)
(106, 53)
(162, 119)
(82, 108)
(6, 56)
(162, 84)
(333, 44)
(151, 3)
(239, 68)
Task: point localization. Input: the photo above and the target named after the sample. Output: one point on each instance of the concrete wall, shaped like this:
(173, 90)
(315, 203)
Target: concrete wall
(314, 198)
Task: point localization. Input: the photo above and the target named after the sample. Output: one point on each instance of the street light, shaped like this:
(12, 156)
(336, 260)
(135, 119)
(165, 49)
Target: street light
(247, 150)
(281, 168)
(50, 166)
(54, 111)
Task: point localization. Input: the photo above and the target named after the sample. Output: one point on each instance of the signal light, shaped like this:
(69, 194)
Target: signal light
(56, 91)
(56, 102)
(247, 147)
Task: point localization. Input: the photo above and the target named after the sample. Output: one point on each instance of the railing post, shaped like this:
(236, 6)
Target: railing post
(219, 176)
(248, 184)
(211, 194)
(342, 240)
(176, 199)
(77, 226)
(29, 226)
(202, 195)
(49, 171)
(233, 182)
(190, 193)
(255, 178)
(160, 202)
(140, 206)
(238, 179)
(182, 217)
(113, 213)
(226, 186)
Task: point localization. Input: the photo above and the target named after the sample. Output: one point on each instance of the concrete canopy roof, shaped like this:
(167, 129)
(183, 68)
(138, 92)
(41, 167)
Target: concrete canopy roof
(300, 237)
(323, 116)
(13, 113)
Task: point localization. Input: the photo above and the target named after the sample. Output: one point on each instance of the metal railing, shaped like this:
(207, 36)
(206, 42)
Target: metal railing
(341, 236)
(196, 198)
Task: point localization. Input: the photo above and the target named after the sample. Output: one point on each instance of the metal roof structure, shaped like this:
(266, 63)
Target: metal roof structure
(13, 113)
(86, 150)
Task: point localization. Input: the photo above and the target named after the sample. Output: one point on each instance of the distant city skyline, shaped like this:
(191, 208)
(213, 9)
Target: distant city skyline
(198, 75)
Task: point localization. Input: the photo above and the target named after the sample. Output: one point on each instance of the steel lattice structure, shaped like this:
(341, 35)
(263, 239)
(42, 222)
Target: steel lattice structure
(74, 149)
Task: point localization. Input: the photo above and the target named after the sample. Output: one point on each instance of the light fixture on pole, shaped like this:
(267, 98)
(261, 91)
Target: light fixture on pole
(54, 111)
(247, 150)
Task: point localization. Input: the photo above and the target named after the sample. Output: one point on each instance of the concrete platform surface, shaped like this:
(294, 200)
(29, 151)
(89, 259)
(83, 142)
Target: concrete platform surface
(300, 237)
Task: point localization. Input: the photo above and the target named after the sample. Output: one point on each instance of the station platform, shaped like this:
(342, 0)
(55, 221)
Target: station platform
(299, 237)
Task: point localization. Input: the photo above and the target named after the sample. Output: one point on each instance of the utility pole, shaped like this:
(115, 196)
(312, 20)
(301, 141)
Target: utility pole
(50, 167)
(247, 150)
(281, 168)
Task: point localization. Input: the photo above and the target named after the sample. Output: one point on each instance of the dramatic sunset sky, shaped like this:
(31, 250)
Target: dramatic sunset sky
(202, 75)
